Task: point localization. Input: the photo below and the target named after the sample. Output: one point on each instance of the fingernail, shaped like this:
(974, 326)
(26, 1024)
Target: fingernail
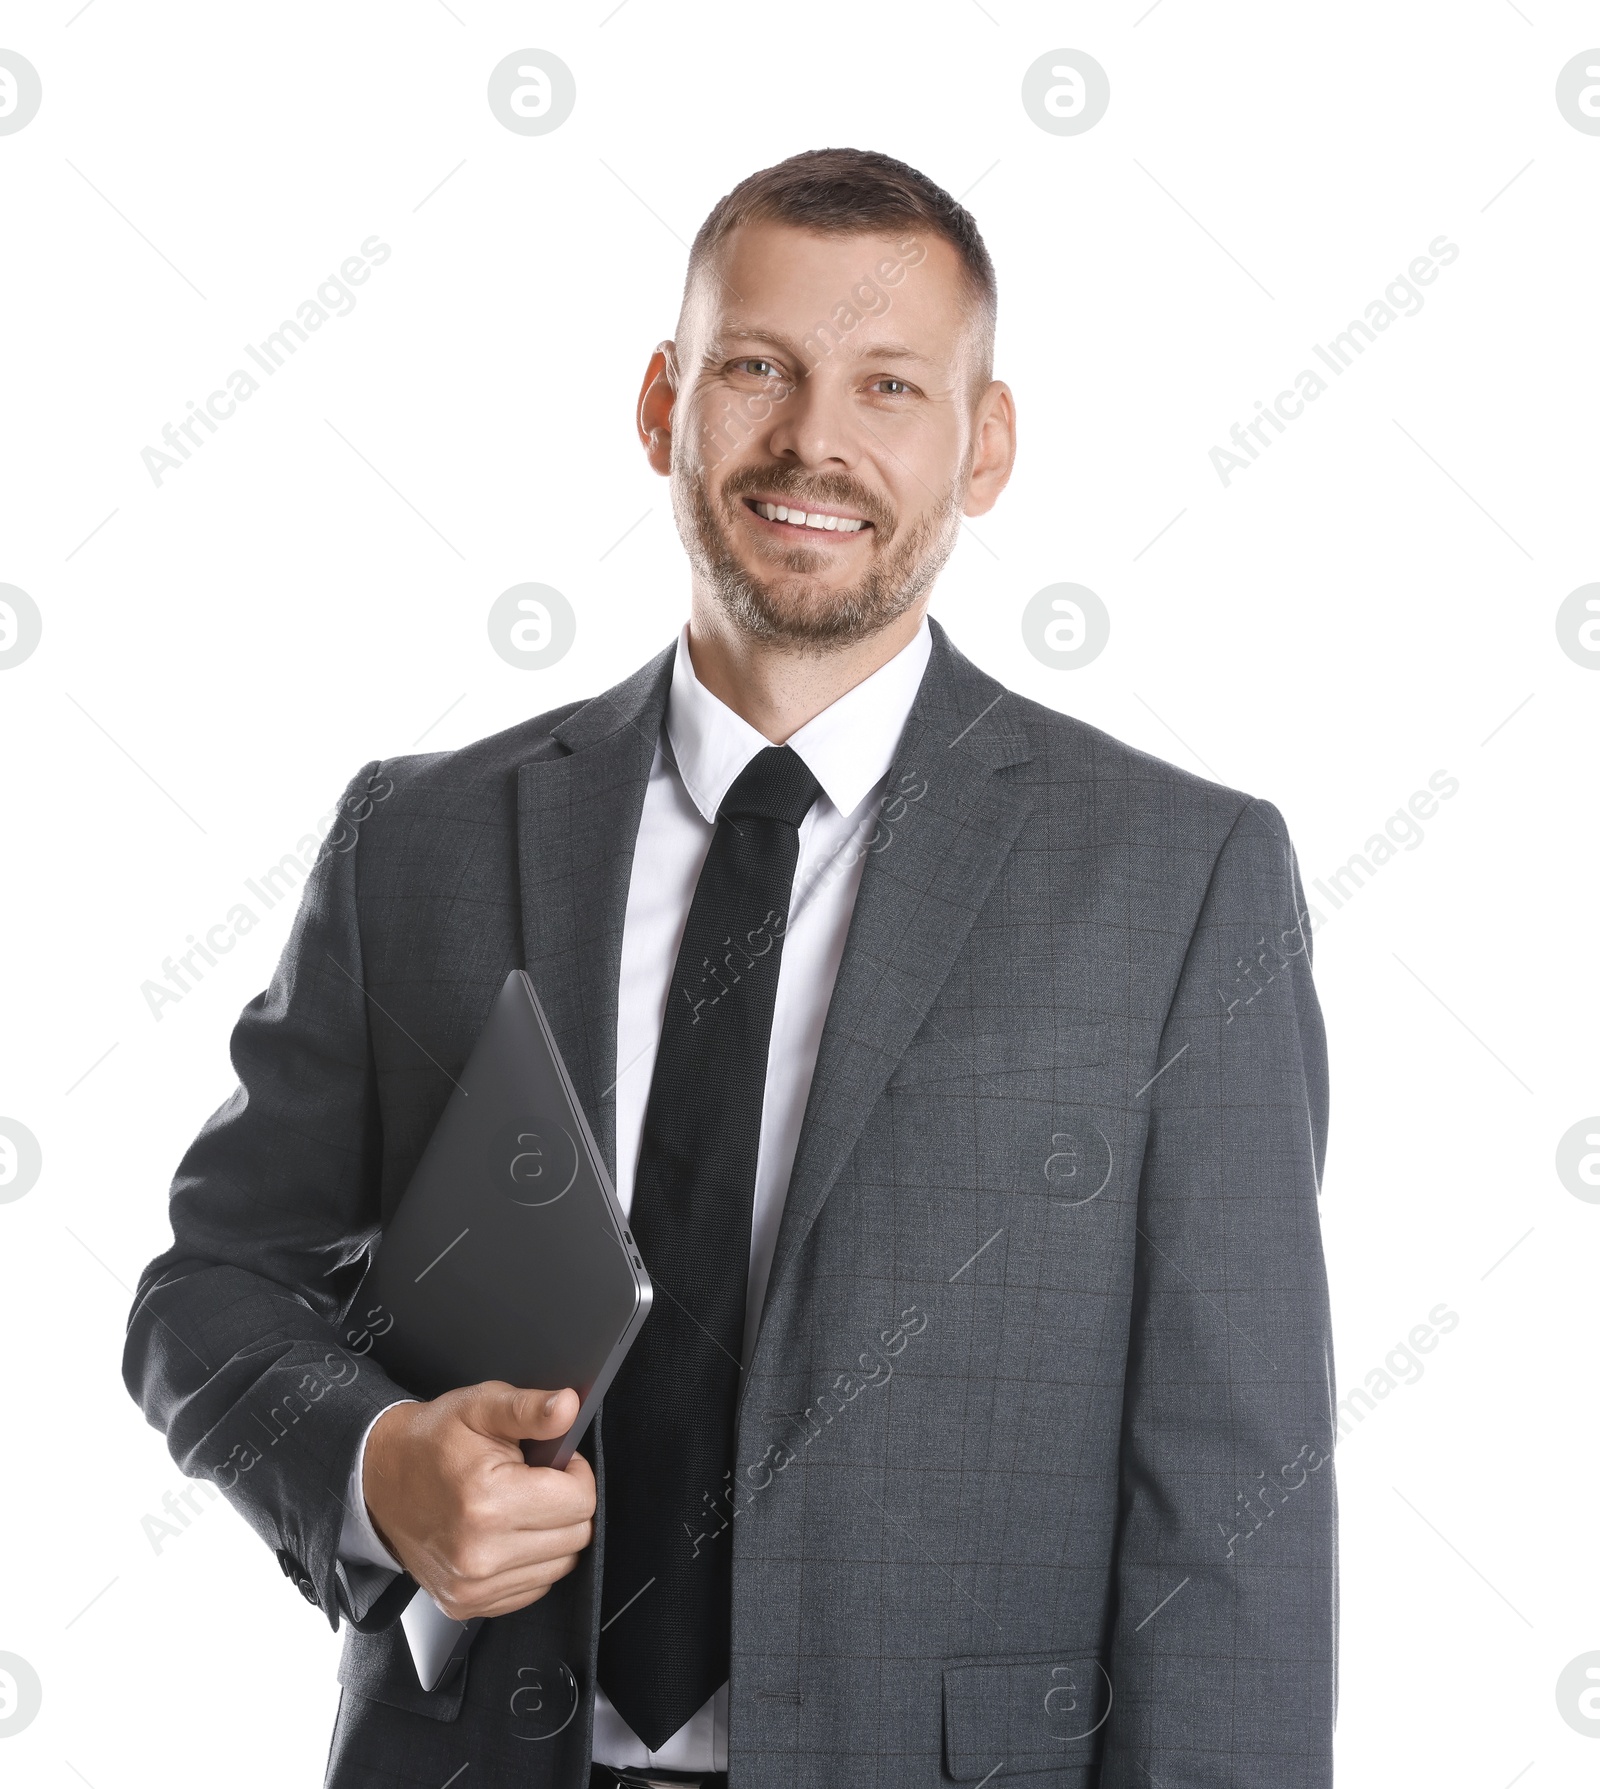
(550, 1403)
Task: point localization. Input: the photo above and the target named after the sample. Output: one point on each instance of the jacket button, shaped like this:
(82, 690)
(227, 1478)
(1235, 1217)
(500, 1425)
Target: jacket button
(297, 1574)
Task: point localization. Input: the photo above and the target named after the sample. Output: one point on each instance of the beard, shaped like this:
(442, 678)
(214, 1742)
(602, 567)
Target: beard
(792, 607)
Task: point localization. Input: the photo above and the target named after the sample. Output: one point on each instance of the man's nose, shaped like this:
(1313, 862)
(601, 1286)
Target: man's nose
(814, 424)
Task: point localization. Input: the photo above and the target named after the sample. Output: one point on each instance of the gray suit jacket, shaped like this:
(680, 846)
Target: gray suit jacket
(1034, 1473)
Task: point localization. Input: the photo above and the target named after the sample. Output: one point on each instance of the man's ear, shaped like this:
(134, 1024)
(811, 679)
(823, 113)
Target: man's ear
(994, 448)
(656, 398)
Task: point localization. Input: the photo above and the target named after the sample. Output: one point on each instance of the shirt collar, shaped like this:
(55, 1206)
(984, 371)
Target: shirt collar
(848, 748)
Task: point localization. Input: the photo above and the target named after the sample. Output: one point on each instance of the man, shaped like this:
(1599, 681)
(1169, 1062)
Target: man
(961, 1072)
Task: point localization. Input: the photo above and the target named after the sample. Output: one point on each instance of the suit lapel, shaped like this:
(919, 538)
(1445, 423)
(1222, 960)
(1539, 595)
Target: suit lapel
(577, 821)
(920, 892)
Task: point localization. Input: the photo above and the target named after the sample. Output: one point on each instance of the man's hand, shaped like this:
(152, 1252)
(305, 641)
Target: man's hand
(453, 1499)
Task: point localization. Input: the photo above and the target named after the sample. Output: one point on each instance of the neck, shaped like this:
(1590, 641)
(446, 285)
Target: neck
(775, 686)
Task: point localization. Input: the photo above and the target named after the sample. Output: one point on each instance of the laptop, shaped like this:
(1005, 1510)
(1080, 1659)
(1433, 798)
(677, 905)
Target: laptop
(508, 1257)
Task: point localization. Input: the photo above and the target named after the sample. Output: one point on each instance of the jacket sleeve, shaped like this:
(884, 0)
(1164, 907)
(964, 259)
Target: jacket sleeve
(1223, 1659)
(238, 1346)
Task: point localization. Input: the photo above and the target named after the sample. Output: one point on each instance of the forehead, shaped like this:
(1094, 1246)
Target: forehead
(775, 280)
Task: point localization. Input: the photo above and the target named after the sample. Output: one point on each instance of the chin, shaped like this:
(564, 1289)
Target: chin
(796, 583)
(799, 603)
(803, 612)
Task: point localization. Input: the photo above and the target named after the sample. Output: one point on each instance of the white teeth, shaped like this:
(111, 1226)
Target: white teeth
(778, 512)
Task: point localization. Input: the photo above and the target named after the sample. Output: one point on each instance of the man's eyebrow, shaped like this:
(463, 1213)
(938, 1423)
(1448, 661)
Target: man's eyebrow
(776, 338)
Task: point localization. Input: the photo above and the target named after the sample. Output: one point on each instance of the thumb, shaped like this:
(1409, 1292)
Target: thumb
(514, 1413)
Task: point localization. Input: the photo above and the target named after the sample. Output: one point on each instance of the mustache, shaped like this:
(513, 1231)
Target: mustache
(835, 488)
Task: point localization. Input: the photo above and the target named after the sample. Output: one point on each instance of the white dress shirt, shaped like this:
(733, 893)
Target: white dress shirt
(849, 749)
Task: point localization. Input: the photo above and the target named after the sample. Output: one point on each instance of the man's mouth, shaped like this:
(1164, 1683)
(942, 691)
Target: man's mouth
(819, 521)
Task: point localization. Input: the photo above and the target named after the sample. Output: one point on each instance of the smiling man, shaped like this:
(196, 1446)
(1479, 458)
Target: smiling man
(982, 1425)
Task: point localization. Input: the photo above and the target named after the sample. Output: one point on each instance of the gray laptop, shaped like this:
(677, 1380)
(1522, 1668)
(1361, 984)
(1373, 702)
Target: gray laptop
(508, 1258)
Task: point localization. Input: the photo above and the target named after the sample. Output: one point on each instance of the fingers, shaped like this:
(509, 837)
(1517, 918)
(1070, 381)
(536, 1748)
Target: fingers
(527, 1499)
(511, 1413)
(483, 1557)
(464, 1594)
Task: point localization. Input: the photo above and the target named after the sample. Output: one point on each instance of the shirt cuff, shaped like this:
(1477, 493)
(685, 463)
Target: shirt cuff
(358, 1539)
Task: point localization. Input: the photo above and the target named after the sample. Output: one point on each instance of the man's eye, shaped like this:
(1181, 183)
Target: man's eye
(899, 385)
(759, 369)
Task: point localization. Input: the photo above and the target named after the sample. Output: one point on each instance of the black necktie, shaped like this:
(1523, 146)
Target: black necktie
(667, 1419)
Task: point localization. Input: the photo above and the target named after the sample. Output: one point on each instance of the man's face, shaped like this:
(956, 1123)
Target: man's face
(831, 378)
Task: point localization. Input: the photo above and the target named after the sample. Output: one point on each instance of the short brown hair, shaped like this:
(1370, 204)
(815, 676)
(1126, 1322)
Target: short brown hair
(853, 192)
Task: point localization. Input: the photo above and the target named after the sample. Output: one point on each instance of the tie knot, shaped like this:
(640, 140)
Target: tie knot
(774, 785)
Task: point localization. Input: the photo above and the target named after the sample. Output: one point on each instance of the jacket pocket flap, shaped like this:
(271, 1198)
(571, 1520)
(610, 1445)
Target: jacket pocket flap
(993, 1054)
(1013, 1715)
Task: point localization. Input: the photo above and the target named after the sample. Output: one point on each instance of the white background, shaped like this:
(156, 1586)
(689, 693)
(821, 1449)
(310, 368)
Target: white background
(223, 652)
